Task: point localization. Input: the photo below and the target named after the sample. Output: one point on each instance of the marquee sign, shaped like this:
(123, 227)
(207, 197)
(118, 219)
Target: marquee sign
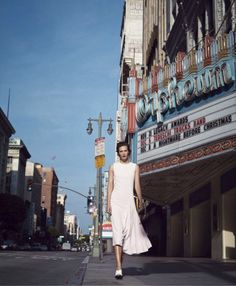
(167, 90)
(176, 93)
(208, 123)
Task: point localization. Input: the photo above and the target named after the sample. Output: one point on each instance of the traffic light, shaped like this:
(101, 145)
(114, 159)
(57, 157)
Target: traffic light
(90, 204)
(29, 185)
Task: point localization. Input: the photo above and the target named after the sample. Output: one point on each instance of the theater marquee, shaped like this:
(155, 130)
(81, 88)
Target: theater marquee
(192, 129)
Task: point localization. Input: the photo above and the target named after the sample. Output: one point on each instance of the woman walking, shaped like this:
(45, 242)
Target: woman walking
(128, 233)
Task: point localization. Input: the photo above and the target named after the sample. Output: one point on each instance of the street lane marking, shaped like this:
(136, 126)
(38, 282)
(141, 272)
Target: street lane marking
(86, 260)
(52, 257)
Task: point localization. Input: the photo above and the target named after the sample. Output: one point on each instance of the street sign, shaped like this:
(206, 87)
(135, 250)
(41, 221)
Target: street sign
(100, 161)
(99, 146)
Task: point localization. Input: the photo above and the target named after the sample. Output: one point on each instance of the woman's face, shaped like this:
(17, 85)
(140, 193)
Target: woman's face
(123, 153)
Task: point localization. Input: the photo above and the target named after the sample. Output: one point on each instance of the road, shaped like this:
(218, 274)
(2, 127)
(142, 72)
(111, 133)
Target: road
(41, 267)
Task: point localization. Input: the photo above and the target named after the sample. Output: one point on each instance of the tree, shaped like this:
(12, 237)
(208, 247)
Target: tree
(12, 212)
(53, 231)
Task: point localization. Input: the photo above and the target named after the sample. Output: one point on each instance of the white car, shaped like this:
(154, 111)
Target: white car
(9, 245)
(66, 246)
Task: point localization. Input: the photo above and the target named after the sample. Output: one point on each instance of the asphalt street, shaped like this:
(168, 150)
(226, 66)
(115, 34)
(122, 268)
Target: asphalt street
(42, 268)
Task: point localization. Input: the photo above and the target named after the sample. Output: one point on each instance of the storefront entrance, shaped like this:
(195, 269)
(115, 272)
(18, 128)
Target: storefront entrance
(200, 221)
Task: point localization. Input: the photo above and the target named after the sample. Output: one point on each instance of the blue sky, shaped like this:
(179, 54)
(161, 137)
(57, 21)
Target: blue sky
(60, 58)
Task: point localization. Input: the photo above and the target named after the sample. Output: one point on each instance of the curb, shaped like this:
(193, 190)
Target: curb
(78, 277)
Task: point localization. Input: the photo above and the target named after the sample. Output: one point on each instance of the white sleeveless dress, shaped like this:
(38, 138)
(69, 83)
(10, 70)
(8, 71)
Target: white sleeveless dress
(126, 225)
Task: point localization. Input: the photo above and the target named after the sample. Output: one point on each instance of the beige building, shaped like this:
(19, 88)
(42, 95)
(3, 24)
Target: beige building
(131, 53)
(6, 130)
(33, 185)
(182, 132)
(61, 201)
(16, 165)
(71, 227)
(155, 30)
(171, 26)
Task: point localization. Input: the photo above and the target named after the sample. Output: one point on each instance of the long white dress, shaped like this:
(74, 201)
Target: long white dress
(126, 225)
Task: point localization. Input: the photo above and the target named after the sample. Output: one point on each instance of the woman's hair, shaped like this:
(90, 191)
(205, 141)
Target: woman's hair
(120, 144)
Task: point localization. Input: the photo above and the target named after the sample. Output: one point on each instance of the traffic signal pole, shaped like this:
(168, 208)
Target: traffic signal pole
(71, 190)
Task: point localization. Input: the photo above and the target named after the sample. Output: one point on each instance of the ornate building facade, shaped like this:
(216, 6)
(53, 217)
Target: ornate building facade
(183, 130)
(130, 55)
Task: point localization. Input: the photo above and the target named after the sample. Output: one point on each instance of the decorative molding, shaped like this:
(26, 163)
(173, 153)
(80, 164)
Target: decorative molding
(203, 151)
(219, 14)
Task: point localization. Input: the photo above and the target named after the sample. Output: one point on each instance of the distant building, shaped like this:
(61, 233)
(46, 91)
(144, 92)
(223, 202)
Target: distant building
(71, 226)
(6, 130)
(32, 195)
(17, 158)
(49, 193)
(61, 200)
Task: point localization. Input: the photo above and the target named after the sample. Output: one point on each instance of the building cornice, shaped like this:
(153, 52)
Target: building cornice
(19, 144)
(6, 124)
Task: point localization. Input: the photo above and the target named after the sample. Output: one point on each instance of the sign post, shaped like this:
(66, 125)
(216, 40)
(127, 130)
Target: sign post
(99, 163)
(99, 152)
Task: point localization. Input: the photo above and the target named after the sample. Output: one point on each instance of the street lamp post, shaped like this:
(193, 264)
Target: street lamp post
(97, 248)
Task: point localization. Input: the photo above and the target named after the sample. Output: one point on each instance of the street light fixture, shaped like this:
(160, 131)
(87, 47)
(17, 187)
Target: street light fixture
(97, 248)
(90, 128)
(110, 129)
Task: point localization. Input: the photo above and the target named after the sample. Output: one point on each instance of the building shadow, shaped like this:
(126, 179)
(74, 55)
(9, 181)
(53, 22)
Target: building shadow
(225, 271)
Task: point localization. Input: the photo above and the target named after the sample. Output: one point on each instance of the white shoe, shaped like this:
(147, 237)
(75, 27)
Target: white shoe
(118, 274)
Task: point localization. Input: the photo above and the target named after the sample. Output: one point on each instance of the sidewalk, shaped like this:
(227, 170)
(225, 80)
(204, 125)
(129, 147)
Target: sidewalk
(148, 270)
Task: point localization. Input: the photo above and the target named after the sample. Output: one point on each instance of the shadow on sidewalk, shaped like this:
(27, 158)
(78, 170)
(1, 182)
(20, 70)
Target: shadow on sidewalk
(216, 269)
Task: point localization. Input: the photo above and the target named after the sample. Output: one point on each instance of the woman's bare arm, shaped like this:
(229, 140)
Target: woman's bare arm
(110, 188)
(137, 185)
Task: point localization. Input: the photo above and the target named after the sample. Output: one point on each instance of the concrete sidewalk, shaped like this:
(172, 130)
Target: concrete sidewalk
(148, 270)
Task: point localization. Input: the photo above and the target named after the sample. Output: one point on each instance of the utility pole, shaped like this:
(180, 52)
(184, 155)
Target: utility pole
(97, 246)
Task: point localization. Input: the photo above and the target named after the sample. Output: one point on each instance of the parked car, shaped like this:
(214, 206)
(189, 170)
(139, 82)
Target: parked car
(25, 246)
(9, 245)
(39, 246)
(36, 246)
(74, 248)
(43, 247)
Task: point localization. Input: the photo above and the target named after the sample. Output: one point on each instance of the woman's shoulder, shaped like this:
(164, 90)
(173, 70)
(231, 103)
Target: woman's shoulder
(133, 165)
(114, 165)
(111, 168)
